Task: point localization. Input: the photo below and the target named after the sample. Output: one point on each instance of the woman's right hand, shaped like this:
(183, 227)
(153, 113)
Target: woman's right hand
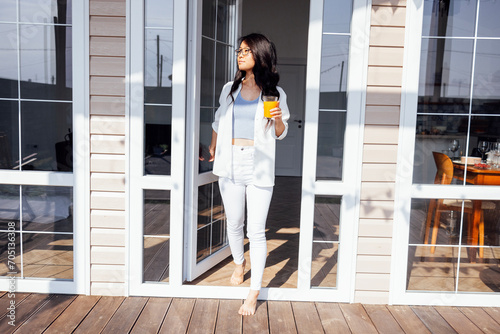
(211, 149)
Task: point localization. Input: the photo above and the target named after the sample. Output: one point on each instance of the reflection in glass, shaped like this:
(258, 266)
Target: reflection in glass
(158, 140)
(445, 75)
(326, 218)
(449, 18)
(482, 276)
(324, 265)
(224, 9)
(206, 119)
(12, 268)
(46, 136)
(48, 255)
(208, 21)
(330, 154)
(207, 95)
(9, 207)
(211, 221)
(45, 11)
(47, 209)
(486, 95)
(8, 55)
(334, 63)
(337, 16)
(488, 24)
(156, 251)
(158, 55)
(432, 271)
(483, 128)
(8, 11)
(9, 135)
(222, 68)
(159, 13)
(46, 62)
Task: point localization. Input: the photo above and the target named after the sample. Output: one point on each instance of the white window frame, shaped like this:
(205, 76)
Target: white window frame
(79, 179)
(405, 190)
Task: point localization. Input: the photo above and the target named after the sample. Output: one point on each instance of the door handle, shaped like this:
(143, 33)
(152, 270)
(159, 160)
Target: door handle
(298, 120)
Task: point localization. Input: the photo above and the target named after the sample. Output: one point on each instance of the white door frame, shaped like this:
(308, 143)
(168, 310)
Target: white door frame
(79, 179)
(405, 190)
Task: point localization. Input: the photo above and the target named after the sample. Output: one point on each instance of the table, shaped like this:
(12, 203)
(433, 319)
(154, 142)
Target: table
(476, 176)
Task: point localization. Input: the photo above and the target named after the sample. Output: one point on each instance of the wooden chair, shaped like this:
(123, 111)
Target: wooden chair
(444, 175)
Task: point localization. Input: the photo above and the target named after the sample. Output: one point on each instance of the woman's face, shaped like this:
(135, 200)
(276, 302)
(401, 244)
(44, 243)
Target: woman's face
(245, 63)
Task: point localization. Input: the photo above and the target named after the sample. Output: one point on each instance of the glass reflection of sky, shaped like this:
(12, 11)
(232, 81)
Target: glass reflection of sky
(460, 20)
(151, 57)
(8, 11)
(44, 11)
(159, 13)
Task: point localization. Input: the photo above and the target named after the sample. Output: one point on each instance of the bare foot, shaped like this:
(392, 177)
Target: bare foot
(238, 273)
(248, 307)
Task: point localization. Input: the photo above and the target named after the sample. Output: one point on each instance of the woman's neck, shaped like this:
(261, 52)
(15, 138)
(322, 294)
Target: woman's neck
(249, 80)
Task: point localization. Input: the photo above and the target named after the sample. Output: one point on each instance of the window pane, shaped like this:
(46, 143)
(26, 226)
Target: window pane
(486, 96)
(46, 62)
(159, 13)
(432, 271)
(47, 209)
(8, 11)
(206, 119)
(48, 255)
(482, 276)
(333, 85)
(207, 95)
(9, 207)
(224, 8)
(331, 130)
(222, 70)
(8, 54)
(483, 128)
(9, 135)
(449, 18)
(326, 218)
(445, 75)
(156, 253)
(158, 66)
(208, 21)
(10, 244)
(158, 140)
(46, 142)
(488, 25)
(324, 265)
(45, 11)
(337, 16)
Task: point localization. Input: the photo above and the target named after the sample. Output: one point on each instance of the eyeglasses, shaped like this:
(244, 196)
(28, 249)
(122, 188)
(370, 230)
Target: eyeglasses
(243, 52)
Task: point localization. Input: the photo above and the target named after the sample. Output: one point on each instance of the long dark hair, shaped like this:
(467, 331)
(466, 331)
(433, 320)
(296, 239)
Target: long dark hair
(264, 70)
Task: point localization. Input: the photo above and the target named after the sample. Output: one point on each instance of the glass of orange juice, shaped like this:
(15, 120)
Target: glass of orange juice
(270, 102)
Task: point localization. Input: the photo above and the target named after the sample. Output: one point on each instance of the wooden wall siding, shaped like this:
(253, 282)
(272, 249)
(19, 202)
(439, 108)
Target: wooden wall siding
(107, 147)
(381, 134)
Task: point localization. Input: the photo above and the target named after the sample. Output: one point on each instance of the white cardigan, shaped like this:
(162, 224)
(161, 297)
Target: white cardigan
(264, 141)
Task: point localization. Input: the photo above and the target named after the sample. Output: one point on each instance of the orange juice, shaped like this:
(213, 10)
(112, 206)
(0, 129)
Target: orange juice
(268, 105)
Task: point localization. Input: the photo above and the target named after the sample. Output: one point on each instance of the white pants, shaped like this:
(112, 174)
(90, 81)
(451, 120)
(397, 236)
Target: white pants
(233, 193)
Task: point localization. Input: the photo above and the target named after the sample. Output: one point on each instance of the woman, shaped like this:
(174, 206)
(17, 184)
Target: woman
(243, 150)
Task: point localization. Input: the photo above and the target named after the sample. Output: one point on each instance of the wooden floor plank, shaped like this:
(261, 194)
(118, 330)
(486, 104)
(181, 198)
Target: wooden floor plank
(97, 319)
(5, 302)
(178, 316)
(281, 319)
(152, 316)
(257, 323)
(382, 319)
(204, 316)
(71, 317)
(228, 319)
(494, 312)
(357, 318)
(407, 319)
(432, 319)
(307, 318)
(29, 306)
(125, 316)
(458, 320)
(482, 319)
(332, 319)
(45, 315)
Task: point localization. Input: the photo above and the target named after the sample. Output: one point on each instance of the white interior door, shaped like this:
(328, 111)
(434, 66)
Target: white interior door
(289, 150)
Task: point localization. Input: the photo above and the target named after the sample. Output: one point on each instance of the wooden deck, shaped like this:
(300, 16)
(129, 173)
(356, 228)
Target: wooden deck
(37, 313)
